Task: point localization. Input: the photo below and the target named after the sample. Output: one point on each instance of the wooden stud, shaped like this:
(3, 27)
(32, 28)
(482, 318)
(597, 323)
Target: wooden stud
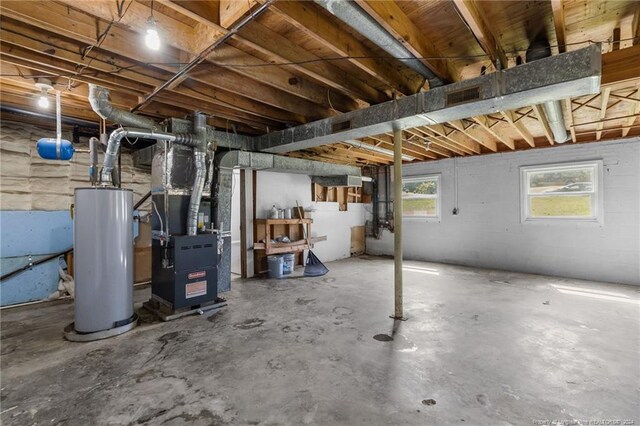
(542, 119)
(559, 24)
(490, 144)
(519, 126)
(634, 114)
(603, 111)
(484, 123)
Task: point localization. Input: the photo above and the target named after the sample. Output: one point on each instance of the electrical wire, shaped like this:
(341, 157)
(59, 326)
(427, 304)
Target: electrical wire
(310, 61)
(103, 36)
(127, 139)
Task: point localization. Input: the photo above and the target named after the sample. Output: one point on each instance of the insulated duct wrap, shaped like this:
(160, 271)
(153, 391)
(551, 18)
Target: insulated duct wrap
(113, 145)
(199, 160)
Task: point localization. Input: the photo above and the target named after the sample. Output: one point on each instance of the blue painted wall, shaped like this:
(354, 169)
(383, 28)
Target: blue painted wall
(36, 234)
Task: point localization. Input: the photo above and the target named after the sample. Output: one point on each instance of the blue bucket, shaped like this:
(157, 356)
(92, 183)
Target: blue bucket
(289, 261)
(276, 264)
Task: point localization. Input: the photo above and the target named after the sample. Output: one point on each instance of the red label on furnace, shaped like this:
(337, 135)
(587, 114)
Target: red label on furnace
(194, 275)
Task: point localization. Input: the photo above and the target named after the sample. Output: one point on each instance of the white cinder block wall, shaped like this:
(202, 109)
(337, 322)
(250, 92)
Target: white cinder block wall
(488, 231)
(283, 189)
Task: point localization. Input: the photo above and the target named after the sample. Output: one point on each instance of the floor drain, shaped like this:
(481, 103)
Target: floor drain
(383, 338)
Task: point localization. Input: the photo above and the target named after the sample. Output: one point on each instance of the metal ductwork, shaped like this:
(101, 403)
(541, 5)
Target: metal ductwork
(99, 100)
(541, 49)
(199, 160)
(226, 162)
(377, 149)
(557, 77)
(113, 145)
(355, 17)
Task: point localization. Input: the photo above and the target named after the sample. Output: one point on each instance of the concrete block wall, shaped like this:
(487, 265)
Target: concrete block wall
(283, 189)
(488, 231)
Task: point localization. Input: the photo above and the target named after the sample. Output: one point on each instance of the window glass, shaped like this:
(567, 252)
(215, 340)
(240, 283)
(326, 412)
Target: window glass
(562, 191)
(420, 197)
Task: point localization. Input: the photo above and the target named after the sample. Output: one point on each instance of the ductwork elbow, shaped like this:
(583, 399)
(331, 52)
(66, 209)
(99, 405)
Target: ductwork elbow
(99, 101)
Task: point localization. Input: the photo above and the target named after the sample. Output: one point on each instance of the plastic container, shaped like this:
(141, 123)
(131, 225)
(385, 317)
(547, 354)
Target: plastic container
(288, 263)
(276, 266)
(274, 212)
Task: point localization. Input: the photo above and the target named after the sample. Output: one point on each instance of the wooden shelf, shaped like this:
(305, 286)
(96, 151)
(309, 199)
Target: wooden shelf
(294, 246)
(270, 229)
(283, 221)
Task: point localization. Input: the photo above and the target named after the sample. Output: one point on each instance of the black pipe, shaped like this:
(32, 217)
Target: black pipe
(35, 263)
(67, 120)
(144, 198)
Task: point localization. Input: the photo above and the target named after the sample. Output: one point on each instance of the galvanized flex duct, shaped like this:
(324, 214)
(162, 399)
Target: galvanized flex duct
(541, 49)
(113, 145)
(386, 152)
(99, 100)
(199, 159)
(352, 15)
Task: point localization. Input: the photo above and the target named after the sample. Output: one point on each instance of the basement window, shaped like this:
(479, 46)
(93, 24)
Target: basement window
(568, 191)
(421, 197)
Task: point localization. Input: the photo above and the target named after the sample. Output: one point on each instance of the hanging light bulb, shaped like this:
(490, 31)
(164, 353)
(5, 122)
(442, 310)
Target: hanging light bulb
(43, 100)
(152, 39)
(44, 85)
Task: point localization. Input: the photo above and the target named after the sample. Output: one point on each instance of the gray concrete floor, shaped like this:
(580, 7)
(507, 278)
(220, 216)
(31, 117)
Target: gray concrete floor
(480, 347)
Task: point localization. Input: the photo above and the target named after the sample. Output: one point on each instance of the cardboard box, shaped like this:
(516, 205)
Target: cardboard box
(296, 214)
(141, 264)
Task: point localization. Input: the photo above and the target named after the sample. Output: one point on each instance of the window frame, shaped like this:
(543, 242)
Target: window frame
(438, 196)
(597, 201)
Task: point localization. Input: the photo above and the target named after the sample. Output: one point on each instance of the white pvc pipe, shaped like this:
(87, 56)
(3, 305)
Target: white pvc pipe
(58, 118)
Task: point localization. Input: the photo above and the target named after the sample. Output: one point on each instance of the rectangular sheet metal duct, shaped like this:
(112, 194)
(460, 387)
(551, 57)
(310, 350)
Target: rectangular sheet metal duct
(558, 77)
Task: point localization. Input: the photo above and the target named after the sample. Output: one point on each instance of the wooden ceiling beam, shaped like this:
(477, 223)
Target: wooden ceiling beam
(260, 70)
(604, 104)
(616, 70)
(544, 123)
(231, 11)
(519, 127)
(272, 44)
(393, 19)
(191, 39)
(284, 50)
(467, 145)
(308, 18)
(55, 17)
(475, 134)
(54, 66)
(349, 150)
(568, 116)
(483, 122)
(386, 142)
(633, 114)
(424, 145)
(434, 139)
(471, 14)
(557, 8)
(69, 52)
(75, 103)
